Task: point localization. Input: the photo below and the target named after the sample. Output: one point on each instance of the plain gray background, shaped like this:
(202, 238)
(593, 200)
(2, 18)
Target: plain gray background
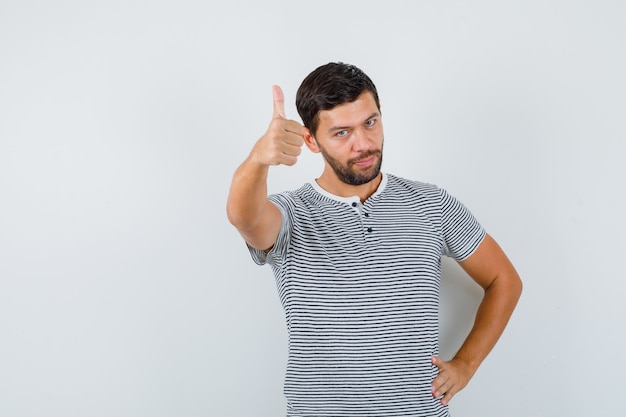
(125, 292)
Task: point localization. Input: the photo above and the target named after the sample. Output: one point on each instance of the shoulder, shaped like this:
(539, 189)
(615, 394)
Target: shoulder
(418, 189)
(294, 198)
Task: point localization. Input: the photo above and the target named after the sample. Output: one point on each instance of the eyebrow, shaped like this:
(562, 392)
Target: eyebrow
(337, 128)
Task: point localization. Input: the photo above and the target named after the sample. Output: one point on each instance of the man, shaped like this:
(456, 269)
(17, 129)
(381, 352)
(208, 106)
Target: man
(357, 259)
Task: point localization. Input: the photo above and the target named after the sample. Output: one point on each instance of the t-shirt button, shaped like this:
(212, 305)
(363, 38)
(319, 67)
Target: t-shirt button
(354, 204)
(369, 230)
(366, 214)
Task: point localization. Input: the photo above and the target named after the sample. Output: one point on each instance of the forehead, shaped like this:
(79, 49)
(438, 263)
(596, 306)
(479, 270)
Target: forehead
(348, 114)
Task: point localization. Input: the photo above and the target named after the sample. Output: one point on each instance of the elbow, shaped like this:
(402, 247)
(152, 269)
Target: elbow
(238, 218)
(231, 215)
(234, 217)
(508, 287)
(515, 288)
(518, 285)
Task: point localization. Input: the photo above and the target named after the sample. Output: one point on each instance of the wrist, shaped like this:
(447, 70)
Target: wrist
(470, 366)
(255, 162)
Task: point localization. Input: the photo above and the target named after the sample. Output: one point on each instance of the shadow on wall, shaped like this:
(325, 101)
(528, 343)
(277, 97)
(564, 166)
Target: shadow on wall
(460, 297)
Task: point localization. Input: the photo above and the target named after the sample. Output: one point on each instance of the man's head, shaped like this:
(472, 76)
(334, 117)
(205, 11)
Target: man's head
(340, 110)
(329, 86)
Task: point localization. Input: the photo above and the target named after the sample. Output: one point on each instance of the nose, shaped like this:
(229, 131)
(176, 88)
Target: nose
(360, 140)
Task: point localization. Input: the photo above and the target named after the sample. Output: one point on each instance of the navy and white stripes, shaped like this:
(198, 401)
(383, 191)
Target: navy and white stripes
(359, 284)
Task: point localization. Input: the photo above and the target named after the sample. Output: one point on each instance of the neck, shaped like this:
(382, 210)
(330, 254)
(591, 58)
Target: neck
(332, 184)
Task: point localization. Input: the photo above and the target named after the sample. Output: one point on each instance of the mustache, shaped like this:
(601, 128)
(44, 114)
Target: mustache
(365, 155)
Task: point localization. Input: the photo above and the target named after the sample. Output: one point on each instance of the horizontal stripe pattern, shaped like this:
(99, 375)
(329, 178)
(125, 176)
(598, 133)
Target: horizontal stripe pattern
(359, 284)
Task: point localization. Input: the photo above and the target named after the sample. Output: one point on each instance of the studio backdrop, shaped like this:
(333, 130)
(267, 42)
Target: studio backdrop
(124, 291)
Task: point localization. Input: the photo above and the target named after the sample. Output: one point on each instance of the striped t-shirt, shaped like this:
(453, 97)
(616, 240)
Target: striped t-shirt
(359, 283)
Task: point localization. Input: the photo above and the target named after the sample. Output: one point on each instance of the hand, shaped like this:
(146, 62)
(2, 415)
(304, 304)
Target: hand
(282, 143)
(453, 377)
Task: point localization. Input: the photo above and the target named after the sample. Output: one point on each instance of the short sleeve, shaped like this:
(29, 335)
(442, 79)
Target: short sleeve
(462, 233)
(278, 252)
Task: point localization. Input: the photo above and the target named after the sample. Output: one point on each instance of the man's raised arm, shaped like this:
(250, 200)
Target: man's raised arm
(248, 209)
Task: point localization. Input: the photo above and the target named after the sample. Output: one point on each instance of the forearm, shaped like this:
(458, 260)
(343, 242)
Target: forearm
(248, 195)
(493, 314)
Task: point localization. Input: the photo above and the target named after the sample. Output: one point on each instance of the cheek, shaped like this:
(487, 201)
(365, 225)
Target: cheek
(342, 150)
(378, 133)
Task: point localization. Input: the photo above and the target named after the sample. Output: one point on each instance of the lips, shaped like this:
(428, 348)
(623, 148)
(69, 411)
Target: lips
(364, 162)
(366, 158)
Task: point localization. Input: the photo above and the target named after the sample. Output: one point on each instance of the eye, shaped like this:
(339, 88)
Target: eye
(341, 133)
(370, 123)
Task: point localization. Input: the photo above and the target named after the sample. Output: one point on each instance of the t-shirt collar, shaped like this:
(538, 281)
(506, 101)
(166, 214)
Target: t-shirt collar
(349, 200)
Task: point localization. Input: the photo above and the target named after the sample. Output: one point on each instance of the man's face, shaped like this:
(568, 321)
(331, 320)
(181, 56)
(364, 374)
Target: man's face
(350, 138)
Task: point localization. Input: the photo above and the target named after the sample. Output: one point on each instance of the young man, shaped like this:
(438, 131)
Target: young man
(357, 259)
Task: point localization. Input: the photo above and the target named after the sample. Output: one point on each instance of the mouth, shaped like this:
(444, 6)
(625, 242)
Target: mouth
(366, 159)
(365, 162)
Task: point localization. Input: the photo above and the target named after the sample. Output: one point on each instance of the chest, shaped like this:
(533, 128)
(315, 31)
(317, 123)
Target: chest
(391, 238)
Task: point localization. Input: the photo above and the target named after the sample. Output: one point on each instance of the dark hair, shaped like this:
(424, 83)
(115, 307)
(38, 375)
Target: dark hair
(328, 86)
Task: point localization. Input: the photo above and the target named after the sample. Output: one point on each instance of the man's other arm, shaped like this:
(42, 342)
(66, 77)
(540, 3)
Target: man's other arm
(491, 269)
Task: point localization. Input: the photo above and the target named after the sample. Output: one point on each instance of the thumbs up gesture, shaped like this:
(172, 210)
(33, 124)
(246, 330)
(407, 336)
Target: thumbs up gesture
(282, 142)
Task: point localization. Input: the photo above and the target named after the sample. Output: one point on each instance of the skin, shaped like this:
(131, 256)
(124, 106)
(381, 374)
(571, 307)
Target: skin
(350, 138)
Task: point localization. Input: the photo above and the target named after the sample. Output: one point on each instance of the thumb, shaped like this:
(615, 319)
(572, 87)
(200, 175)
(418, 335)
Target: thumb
(279, 102)
(436, 360)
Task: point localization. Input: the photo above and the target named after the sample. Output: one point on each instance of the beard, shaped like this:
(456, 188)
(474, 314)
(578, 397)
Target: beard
(347, 173)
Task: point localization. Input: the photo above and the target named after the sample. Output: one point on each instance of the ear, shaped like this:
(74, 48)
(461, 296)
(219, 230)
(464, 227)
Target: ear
(310, 141)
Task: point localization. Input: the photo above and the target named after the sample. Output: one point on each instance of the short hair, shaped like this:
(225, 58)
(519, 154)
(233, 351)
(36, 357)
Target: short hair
(328, 86)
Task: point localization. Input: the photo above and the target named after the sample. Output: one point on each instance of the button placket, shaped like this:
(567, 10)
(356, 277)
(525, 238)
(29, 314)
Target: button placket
(369, 220)
(364, 217)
